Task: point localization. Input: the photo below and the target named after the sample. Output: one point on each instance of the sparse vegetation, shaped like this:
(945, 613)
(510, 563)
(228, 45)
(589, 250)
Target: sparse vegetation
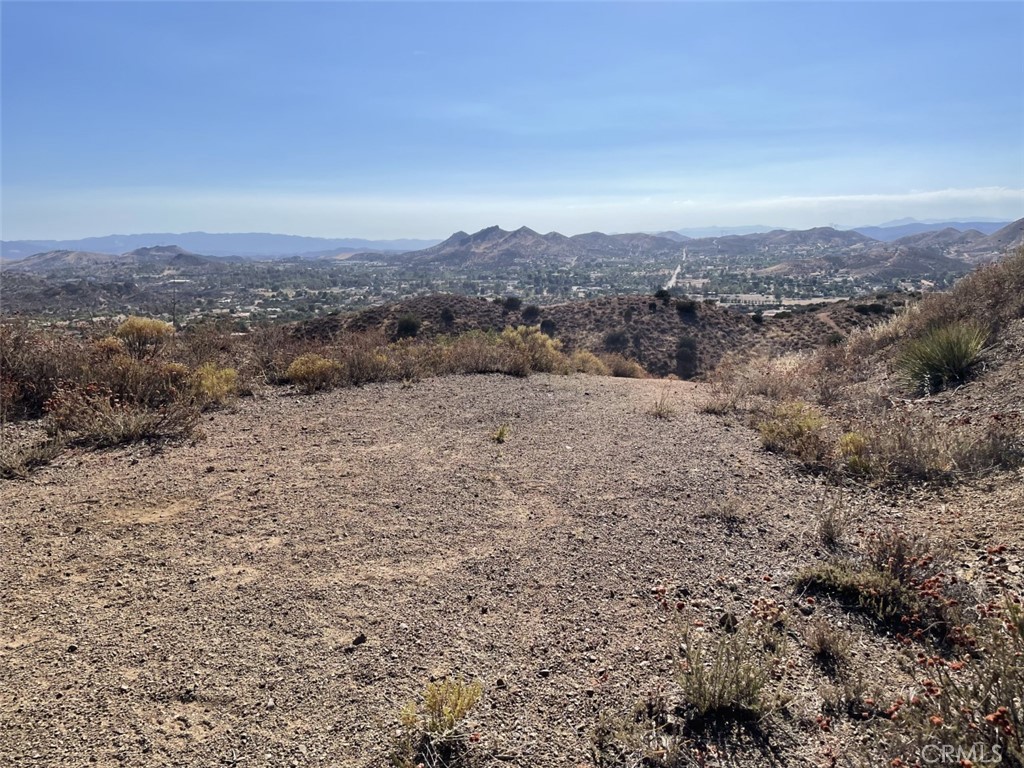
(796, 429)
(433, 734)
(733, 676)
(898, 581)
(833, 521)
(829, 646)
(19, 458)
(500, 435)
(662, 408)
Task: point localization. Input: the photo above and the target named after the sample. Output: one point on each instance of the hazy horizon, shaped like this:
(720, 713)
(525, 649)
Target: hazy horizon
(397, 121)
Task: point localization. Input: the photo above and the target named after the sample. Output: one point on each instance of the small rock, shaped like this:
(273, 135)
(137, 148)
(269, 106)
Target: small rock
(359, 639)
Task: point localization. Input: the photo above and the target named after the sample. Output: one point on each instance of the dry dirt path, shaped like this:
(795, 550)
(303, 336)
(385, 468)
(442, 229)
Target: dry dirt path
(277, 591)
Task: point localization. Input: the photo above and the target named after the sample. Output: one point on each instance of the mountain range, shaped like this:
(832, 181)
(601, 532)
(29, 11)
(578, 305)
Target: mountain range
(246, 244)
(821, 249)
(257, 245)
(897, 230)
(808, 250)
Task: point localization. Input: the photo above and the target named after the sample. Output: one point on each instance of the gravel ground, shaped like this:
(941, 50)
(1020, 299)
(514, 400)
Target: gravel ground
(272, 595)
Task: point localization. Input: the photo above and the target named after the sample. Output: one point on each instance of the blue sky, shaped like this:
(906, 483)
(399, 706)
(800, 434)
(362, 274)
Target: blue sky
(406, 120)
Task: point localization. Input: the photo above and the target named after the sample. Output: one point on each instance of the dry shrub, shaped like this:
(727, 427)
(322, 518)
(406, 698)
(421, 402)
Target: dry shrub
(585, 361)
(150, 383)
(92, 416)
(734, 676)
(974, 701)
(208, 342)
(143, 336)
(622, 367)
(476, 352)
(542, 353)
(366, 357)
(19, 458)
(917, 447)
(885, 332)
(433, 735)
(789, 377)
(829, 646)
(990, 296)
(833, 522)
(726, 392)
(796, 429)
(32, 365)
(270, 349)
(214, 386)
(662, 408)
(312, 372)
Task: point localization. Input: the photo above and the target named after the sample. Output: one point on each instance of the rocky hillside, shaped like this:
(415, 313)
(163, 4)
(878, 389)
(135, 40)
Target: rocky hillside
(675, 336)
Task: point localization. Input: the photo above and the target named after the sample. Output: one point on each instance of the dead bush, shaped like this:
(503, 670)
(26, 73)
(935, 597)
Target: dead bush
(32, 365)
(96, 417)
(18, 458)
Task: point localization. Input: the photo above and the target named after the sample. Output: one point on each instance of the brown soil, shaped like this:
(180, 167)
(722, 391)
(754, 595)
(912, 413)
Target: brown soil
(276, 592)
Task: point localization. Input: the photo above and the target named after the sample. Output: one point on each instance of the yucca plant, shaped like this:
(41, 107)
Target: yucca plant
(941, 357)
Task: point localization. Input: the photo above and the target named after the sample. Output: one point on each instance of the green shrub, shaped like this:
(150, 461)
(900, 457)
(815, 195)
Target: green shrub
(687, 358)
(616, 341)
(312, 372)
(942, 357)
(686, 307)
(408, 327)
